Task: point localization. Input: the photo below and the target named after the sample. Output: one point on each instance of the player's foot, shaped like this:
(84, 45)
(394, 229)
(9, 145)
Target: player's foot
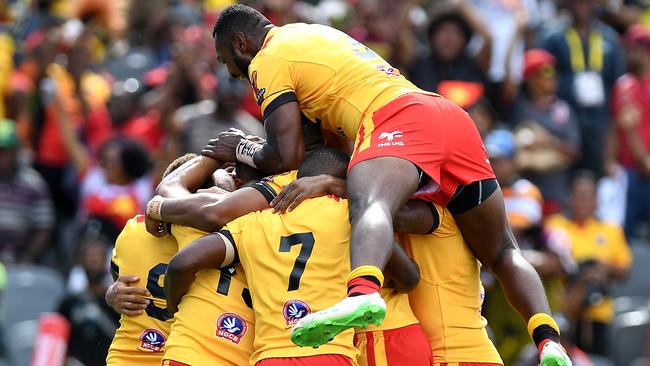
(554, 355)
(352, 312)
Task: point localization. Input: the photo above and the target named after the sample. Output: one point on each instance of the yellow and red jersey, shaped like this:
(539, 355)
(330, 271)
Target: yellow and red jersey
(215, 323)
(296, 264)
(140, 340)
(339, 83)
(448, 299)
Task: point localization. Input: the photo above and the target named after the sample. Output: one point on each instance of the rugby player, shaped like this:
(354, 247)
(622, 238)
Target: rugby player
(137, 292)
(286, 283)
(407, 143)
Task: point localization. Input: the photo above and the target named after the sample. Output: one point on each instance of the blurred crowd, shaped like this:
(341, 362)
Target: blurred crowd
(97, 97)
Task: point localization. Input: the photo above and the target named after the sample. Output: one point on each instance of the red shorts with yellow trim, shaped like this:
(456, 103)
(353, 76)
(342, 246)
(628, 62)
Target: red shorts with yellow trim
(466, 364)
(173, 363)
(402, 346)
(318, 360)
(432, 133)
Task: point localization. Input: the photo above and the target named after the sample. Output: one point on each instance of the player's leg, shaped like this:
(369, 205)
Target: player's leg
(483, 224)
(377, 188)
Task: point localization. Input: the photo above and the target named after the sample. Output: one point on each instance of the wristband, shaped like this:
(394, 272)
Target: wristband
(245, 151)
(154, 208)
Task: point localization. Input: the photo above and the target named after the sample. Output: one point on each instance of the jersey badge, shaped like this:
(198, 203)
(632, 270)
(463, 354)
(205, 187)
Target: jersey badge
(232, 327)
(294, 310)
(152, 340)
(259, 93)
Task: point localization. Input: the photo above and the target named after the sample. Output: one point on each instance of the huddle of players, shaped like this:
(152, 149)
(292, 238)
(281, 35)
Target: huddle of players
(245, 285)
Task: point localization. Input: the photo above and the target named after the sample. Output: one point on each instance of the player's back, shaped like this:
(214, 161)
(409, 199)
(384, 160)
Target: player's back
(141, 339)
(448, 299)
(215, 322)
(295, 263)
(336, 79)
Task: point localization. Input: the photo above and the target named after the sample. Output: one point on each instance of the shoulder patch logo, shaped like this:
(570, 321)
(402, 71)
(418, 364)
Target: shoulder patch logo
(232, 327)
(259, 93)
(152, 340)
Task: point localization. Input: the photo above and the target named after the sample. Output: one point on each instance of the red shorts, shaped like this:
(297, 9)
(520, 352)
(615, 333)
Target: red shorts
(319, 360)
(432, 133)
(173, 363)
(466, 364)
(402, 346)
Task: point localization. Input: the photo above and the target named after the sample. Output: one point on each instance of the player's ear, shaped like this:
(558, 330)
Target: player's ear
(240, 43)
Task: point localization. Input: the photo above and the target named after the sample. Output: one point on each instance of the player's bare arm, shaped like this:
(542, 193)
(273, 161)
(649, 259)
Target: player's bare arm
(401, 270)
(307, 187)
(283, 150)
(207, 252)
(188, 178)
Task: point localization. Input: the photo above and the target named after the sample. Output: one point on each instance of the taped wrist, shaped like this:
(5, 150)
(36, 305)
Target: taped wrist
(245, 151)
(154, 208)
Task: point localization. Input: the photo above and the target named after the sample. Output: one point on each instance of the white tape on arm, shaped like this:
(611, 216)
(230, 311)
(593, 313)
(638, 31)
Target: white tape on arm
(245, 151)
(230, 251)
(154, 208)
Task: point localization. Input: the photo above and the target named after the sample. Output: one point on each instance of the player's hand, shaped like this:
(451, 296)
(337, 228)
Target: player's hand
(306, 187)
(125, 299)
(223, 147)
(155, 227)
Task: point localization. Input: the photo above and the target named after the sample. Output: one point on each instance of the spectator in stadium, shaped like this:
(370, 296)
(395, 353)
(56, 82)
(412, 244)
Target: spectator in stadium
(448, 35)
(629, 142)
(202, 121)
(118, 187)
(471, 97)
(589, 60)
(601, 256)
(546, 131)
(93, 322)
(26, 211)
(114, 185)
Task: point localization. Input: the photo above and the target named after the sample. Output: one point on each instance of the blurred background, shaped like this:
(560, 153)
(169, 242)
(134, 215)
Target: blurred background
(97, 97)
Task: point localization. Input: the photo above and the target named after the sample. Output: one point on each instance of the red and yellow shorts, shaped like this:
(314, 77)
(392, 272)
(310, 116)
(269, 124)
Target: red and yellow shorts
(466, 364)
(432, 133)
(318, 360)
(402, 346)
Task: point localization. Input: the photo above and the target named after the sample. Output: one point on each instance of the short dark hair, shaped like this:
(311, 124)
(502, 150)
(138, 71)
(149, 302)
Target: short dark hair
(450, 16)
(237, 18)
(248, 174)
(134, 157)
(325, 160)
(583, 175)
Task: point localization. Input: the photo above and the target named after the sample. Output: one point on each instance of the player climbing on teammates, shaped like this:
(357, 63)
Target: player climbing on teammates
(407, 143)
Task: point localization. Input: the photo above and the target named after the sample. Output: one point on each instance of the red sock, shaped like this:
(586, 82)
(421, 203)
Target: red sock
(364, 285)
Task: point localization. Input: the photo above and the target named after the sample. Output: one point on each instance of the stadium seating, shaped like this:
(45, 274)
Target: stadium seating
(637, 283)
(31, 290)
(23, 334)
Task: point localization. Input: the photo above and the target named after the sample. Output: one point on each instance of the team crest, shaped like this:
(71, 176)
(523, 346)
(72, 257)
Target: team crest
(294, 310)
(232, 327)
(259, 93)
(152, 340)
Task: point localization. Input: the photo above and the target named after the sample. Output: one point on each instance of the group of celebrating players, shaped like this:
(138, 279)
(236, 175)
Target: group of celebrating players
(371, 259)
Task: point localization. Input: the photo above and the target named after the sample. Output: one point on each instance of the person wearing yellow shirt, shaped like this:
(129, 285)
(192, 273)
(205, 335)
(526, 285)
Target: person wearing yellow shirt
(137, 292)
(404, 146)
(601, 255)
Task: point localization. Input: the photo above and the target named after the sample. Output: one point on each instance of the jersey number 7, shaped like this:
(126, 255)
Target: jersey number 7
(307, 241)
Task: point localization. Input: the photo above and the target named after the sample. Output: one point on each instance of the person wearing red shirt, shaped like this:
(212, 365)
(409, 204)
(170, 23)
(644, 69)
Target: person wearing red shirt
(630, 141)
